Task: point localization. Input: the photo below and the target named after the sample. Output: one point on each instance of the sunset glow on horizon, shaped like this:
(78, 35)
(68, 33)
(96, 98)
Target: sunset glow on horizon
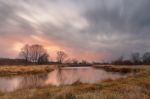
(92, 30)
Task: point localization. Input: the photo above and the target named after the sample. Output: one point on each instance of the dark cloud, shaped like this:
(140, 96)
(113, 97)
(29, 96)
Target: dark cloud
(110, 27)
(128, 19)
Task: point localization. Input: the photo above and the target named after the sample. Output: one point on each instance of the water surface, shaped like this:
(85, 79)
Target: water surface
(63, 76)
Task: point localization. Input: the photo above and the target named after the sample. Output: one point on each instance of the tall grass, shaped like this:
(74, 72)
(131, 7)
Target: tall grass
(133, 87)
(18, 70)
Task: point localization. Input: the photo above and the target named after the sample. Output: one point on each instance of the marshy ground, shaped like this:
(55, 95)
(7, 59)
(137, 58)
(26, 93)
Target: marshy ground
(136, 86)
(23, 70)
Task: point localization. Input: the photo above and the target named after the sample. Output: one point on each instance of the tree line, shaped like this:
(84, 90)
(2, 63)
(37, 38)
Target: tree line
(135, 59)
(38, 54)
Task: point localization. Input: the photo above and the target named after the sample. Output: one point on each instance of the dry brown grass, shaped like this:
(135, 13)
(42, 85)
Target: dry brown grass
(121, 69)
(133, 87)
(18, 70)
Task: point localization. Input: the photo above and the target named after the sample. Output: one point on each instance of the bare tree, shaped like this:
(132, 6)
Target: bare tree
(25, 53)
(75, 61)
(135, 58)
(61, 56)
(118, 61)
(43, 58)
(84, 62)
(34, 53)
(146, 58)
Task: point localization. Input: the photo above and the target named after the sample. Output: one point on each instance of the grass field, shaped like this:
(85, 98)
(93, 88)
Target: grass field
(132, 87)
(20, 70)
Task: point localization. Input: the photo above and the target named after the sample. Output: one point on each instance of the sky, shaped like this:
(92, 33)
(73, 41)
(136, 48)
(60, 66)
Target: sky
(93, 30)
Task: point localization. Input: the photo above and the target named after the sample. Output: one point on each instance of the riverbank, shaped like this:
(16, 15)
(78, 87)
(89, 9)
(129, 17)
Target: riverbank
(37, 69)
(22, 70)
(132, 87)
(122, 69)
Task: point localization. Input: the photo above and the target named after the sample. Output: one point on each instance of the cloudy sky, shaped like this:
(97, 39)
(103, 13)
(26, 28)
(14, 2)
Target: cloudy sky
(85, 29)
